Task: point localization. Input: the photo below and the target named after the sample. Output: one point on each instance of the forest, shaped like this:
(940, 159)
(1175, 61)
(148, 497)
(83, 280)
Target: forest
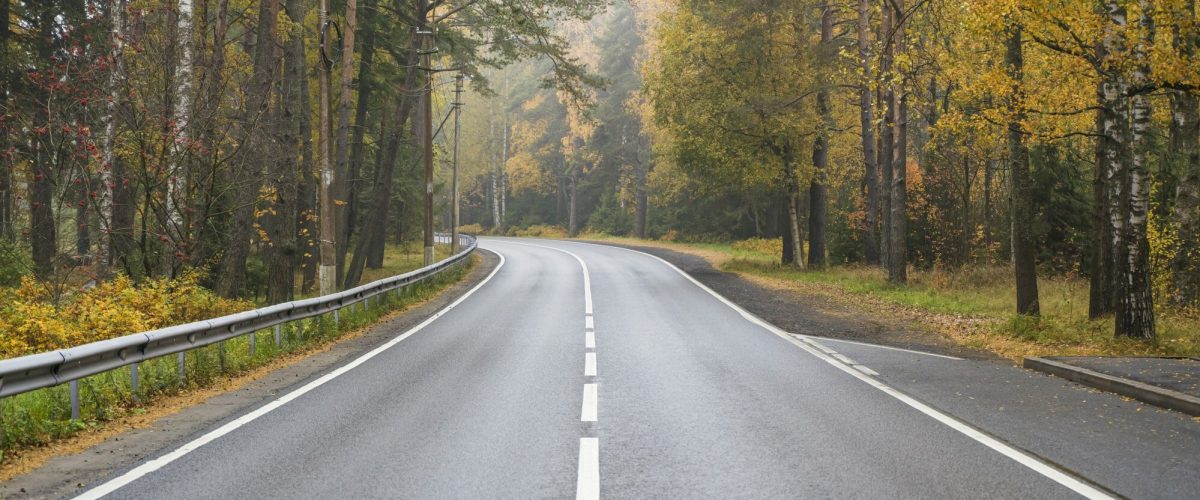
(269, 149)
(1053, 138)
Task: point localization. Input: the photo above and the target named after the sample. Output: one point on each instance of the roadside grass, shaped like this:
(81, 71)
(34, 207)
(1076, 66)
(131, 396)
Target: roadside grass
(972, 306)
(41, 417)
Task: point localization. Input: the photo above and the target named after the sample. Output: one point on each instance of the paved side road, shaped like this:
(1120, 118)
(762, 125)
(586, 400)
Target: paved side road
(587, 371)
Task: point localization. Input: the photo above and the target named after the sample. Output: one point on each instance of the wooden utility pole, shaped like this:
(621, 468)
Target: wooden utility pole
(423, 30)
(458, 88)
(327, 271)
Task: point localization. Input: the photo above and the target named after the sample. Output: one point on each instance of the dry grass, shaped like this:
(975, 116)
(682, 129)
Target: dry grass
(971, 306)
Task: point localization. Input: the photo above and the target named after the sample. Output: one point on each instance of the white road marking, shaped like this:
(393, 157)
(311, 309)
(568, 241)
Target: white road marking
(587, 487)
(589, 403)
(589, 364)
(843, 359)
(878, 346)
(158, 463)
(589, 340)
(587, 277)
(867, 371)
(588, 322)
(1033, 463)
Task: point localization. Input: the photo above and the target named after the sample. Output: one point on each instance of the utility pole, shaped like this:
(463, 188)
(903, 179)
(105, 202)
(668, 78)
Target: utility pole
(458, 88)
(327, 270)
(424, 31)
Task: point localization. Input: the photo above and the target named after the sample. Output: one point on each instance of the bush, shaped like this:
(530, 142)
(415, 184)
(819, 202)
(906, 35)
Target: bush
(769, 246)
(472, 229)
(610, 218)
(538, 231)
(30, 322)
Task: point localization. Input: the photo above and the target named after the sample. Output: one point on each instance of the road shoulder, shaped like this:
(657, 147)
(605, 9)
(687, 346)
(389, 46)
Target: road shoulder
(806, 314)
(64, 474)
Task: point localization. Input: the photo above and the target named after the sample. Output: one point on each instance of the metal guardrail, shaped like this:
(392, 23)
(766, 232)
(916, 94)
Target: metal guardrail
(37, 371)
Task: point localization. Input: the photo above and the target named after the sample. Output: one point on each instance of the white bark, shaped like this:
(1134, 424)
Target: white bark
(107, 183)
(176, 172)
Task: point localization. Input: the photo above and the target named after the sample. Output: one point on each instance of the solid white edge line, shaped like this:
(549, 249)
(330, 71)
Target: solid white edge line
(587, 487)
(588, 414)
(589, 364)
(588, 322)
(879, 346)
(1033, 463)
(589, 340)
(158, 463)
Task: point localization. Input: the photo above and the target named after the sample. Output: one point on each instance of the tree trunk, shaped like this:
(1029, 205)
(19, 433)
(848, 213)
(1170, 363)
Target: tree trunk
(104, 251)
(232, 276)
(368, 251)
(898, 220)
(1100, 292)
(42, 229)
(793, 200)
(7, 232)
(306, 185)
(386, 156)
(641, 200)
(866, 116)
(886, 135)
(572, 204)
(817, 192)
(1135, 306)
(177, 173)
(357, 145)
(1185, 113)
(788, 252)
(341, 182)
(282, 249)
(1024, 247)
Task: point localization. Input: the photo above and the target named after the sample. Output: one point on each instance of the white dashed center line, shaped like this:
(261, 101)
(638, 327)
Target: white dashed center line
(589, 364)
(589, 403)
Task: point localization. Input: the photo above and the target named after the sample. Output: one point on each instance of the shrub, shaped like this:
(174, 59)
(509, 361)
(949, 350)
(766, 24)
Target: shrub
(768, 246)
(471, 229)
(539, 231)
(30, 322)
(610, 218)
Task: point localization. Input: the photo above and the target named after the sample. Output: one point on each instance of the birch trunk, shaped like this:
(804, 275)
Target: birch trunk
(1135, 307)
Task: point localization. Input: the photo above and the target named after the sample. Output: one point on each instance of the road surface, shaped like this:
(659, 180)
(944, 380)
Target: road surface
(579, 370)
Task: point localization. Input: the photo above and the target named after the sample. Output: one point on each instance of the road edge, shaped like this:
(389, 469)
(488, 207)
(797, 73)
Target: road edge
(1146, 393)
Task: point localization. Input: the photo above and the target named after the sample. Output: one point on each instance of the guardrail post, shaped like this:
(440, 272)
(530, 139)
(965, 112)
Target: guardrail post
(74, 386)
(180, 361)
(278, 339)
(335, 318)
(253, 341)
(133, 381)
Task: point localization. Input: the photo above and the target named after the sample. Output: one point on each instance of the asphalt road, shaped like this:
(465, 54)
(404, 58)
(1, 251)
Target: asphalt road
(580, 370)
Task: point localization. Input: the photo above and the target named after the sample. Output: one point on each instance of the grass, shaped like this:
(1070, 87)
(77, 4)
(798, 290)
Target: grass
(41, 417)
(972, 306)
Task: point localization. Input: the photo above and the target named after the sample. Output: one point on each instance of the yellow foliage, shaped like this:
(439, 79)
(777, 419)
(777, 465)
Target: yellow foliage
(30, 322)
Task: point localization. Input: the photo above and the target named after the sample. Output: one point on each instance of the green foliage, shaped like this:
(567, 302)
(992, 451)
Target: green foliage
(15, 263)
(610, 218)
